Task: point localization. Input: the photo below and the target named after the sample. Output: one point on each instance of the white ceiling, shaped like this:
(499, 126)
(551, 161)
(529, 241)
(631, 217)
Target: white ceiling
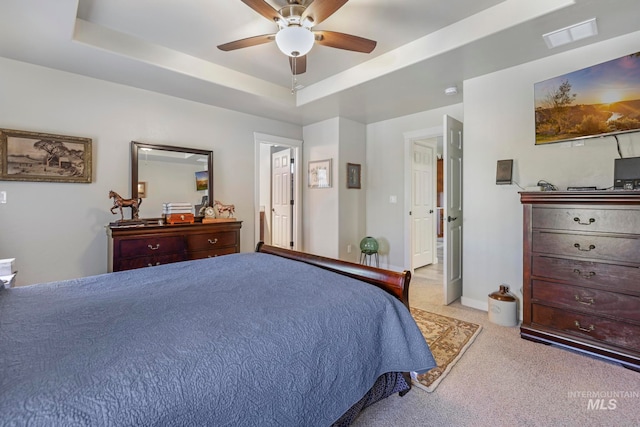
(424, 46)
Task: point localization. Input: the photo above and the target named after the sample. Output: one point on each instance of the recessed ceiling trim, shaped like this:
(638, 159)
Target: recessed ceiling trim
(99, 37)
(490, 21)
(571, 34)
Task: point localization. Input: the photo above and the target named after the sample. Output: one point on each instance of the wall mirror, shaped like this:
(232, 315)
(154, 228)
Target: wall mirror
(168, 174)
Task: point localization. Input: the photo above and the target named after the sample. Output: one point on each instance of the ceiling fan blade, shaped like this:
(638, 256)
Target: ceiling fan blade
(300, 64)
(319, 10)
(248, 42)
(264, 9)
(344, 41)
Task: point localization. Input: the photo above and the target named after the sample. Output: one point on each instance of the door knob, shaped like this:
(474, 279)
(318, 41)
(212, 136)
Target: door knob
(430, 210)
(449, 218)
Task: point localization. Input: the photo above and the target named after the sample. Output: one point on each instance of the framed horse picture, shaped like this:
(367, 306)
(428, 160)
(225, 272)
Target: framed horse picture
(32, 156)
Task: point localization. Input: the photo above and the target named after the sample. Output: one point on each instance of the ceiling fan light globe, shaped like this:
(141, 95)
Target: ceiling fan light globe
(295, 41)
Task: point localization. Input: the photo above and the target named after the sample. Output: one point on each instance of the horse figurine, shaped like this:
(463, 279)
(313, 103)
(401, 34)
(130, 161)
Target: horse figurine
(221, 208)
(120, 202)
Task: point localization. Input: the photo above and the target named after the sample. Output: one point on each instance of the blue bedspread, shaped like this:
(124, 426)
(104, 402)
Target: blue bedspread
(242, 340)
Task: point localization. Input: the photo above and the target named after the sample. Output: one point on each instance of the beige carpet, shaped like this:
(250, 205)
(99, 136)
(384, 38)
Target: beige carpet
(448, 339)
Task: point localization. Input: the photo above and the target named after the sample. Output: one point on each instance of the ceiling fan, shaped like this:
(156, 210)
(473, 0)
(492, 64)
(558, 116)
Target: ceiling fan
(294, 36)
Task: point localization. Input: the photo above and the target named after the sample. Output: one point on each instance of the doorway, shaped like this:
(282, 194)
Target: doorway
(422, 149)
(423, 211)
(265, 146)
(449, 148)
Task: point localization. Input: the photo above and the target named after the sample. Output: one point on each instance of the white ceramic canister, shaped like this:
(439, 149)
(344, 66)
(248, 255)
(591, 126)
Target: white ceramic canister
(503, 307)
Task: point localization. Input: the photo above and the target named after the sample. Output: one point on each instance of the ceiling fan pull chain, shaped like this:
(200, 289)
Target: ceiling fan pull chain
(293, 77)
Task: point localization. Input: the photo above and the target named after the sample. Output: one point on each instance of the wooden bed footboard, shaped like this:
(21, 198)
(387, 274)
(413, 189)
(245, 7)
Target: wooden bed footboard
(393, 282)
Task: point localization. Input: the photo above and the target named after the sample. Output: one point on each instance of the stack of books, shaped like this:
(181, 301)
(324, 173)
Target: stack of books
(7, 272)
(178, 213)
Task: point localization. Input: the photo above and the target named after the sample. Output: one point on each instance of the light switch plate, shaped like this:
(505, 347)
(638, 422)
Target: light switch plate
(3, 197)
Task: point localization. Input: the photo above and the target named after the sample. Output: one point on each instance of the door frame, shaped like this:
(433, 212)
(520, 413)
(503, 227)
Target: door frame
(409, 139)
(296, 145)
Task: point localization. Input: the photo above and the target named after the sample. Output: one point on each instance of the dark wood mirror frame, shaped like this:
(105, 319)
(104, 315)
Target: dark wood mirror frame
(135, 148)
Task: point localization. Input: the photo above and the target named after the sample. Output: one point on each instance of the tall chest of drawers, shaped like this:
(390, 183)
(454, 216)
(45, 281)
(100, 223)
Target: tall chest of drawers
(151, 245)
(581, 272)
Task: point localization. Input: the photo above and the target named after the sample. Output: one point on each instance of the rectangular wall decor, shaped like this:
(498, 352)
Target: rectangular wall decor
(354, 175)
(597, 101)
(504, 172)
(32, 156)
(319, 174)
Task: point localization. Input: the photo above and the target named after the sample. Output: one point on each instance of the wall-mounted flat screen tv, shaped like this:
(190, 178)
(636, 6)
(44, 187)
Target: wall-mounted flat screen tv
(597, 101)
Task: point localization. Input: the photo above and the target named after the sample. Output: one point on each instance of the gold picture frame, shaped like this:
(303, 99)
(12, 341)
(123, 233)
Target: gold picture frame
(44, 157)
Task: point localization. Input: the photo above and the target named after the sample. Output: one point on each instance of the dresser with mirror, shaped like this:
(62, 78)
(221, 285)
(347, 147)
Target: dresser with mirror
(161, 174)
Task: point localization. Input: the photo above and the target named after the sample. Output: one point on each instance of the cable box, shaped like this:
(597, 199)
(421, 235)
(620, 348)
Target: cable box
(627, 174)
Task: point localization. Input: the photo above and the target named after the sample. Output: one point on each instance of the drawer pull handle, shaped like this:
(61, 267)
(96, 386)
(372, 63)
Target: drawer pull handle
(589, 329)
(153, 248)
(577, 245)
(589, 275)
(585, 301)
(151, 265)
(213, 242)
(591, 221)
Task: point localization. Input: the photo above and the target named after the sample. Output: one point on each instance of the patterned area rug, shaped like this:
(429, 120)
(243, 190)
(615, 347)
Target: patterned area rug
(448, 339)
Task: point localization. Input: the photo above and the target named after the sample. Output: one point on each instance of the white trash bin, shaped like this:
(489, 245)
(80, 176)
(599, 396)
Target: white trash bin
(503, 307)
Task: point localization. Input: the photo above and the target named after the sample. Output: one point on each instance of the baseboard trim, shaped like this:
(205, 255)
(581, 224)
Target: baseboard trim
(479, 305)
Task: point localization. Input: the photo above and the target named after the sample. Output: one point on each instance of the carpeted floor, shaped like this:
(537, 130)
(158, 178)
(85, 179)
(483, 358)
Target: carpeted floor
(448, 339)
(503, 380)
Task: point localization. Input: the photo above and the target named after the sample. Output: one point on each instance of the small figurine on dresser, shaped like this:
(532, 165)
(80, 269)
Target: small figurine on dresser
(222, 209)
(119, 202)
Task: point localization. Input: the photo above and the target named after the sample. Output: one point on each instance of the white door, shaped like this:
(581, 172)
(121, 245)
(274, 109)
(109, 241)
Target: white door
(423, 189)
(452, 154)
(281, 198)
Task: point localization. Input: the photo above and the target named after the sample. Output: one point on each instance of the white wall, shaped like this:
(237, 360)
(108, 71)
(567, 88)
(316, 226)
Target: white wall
(334, 218)
(321, 205)
(57, 230)
(352, 215)
(385, 178)
(499, 124)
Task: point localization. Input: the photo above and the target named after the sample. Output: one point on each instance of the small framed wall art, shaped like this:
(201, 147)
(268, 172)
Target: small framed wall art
(142, 189)
(202, 180)
(354, 175)
(319, 174)
(32, 156)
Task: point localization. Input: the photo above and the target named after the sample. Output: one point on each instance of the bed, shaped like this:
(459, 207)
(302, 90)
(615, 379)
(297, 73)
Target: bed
(272, 337)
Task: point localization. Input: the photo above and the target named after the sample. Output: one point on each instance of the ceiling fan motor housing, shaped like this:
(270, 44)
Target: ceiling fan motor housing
(293, 16)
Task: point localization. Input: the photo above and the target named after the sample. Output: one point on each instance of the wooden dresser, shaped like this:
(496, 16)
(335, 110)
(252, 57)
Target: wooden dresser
(582, 272)
(150, 245)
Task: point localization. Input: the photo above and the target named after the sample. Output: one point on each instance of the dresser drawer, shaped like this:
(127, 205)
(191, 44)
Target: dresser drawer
(588, 326)
(147, 261)
(609, 220)
(207, 241)
(586, 273)
(624, 249)
(592, 301)
(150, 245)
(211, 253)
